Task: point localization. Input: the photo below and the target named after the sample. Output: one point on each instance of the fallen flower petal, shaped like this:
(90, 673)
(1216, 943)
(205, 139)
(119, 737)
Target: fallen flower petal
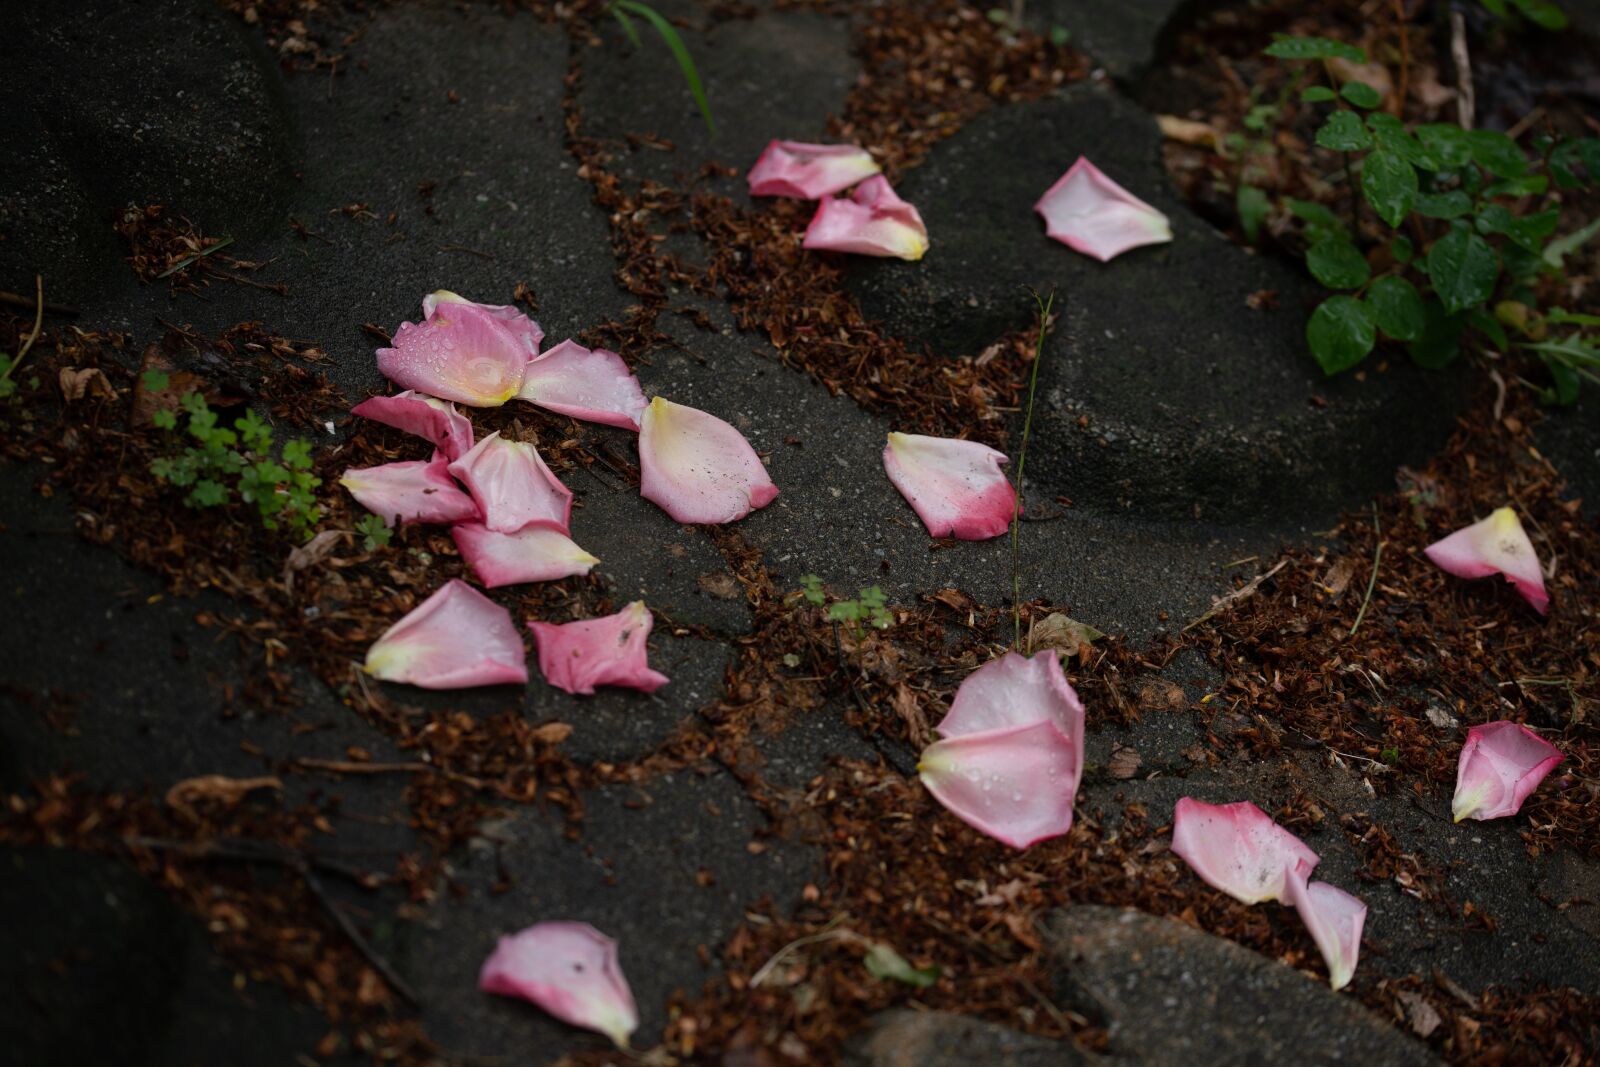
(1016, 691)
(809, 171)
(1334, 918)
(455, 639)
(1238, 849)
(955, 487)
(1496, 545)
(533, 554)
(1012, 783)
(512, 318)
(461, 352)
(577, 656)
(697, 468)
(512, 485)
(410, 491)
(590, 384)
(873, 221)
(436, 421)
(1090, 213)
(569, 969)
(1501, 764)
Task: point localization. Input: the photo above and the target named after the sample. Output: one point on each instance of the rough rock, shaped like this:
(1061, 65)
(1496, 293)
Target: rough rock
(1124, 38)
(940, 1039)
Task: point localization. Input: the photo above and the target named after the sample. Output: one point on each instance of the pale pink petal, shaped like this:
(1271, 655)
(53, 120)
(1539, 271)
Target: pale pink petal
(1334, 918)
(1015, 784)
(569, 969)
(512, 485)
(412, 491)
(1501, 764)
(956, 487)
(455, 639)
(809, 171)
(697, 468)
(1092, 214)
(873, 221)
(591, 384)
(434, 420)
(1016, 691)
(533, 554)
(577, 656)
(460, 353)
(1496, 545)
(521, 326)
(1238, 849)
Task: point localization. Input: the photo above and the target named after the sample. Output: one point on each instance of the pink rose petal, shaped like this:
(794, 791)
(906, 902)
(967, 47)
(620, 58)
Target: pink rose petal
(809, 171)
(697, 468)
(1238, 849)
(569, 969)
(521, 326)
(533, 554)
(1010, 783)
(1496, 545)
(455, 639)
(590, 384)
(872, 221)
(1088, 212)
(434, 420)
(1501, 764)
(512, 485)
(1334, 918)
(461, 353)
(412, 491)
(956, 487)
(577, 656)
(1016, 691)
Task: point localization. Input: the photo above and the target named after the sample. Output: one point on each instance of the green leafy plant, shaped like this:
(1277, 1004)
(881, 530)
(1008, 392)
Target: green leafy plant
(374, 533)
(222, 463)
(1541, 13)
(626, 10)
(1466, 216)
(869, 608)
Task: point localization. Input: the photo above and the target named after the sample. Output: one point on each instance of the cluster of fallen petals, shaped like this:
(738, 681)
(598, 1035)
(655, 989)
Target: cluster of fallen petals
(872, 221)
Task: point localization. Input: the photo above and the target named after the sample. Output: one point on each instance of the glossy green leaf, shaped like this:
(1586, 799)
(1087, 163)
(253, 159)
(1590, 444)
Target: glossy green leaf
(1463, 268)
(1361, 95)
(1440, 342)
(1317, 94)
(1543, 13)
(1397, 308)
(1497, 153)
(1338, 264)
(1340, 333)
(1285, 47)
(1390, 185)
(1320, 222)
(1389, 134)
(1343, 132)
(1447, 143)
(1402, 249)
(1529, 231)
(1253, 207)
(1451, 205)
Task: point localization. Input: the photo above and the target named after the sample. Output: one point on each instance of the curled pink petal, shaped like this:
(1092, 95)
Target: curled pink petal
(955, 487)
(434, 420)
(577, 656)
(873, 221)
(456, 639)
(1334, 918)
(533, 554)
(512, 485)
(1496, 545)
(1238, 849)
(521, 326)
(697, 468)
(590, 384)
(809, 171)
(1090, 213)
(569, 969)
(1501, 764)
(1011, 783)
(460, 353)
(412, 491)
(1016, 691)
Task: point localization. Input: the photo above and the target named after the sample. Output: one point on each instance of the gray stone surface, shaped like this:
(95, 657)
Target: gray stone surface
(1163, 395)
(1123, 38)
(940, 1039)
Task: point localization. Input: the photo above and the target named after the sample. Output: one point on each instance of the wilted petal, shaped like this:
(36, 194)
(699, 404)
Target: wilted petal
(569, 969)
(1016, 691)
(523, 328)
(809, 171)
(412, 491)
(512, 486)
(533, 554)
(455, 639)
(460, 353)
(1092, 214)
(697, 468)
(1012, 783)
(434, 420)
(955, 487)
(591, 384)
(1238, 849)
(1496, 545)
(577, 656)
(1501, 764)
(1334, 918)
(873, 221)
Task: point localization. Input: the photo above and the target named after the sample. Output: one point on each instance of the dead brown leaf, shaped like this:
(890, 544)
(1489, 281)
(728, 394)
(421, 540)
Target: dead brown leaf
(78, 382)
(183, 795)
(1124, 763)
(721, 585)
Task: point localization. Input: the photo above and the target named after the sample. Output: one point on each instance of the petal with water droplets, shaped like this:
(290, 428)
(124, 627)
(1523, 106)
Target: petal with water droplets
(456, 639)
(956, 487)
(1238, 849)
(697, 468)
(809, 171)
(1088, 212)
(412, 491)
(1009, 783)
(534, 553)
(435, 421)
(569, 969)
(577, 656)
(1501, 764)
(1495, 545)
(512, 485)
(590, 384)
(523, 328)
(1335, 919)
(460, 353)
(871, 221)
(1017, 691)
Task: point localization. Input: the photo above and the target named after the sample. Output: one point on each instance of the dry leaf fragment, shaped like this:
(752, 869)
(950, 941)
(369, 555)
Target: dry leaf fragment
(229, 791)
(309, 554)
(1423, 1016)
(1124, 763)
(722, 585)
(552, 733)
(1187, 131)
(76, 383)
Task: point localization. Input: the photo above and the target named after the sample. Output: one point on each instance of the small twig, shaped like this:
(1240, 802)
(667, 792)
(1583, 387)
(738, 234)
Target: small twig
(38, 324)
(827, 933)
(1466, 96)
(1246, 590)
(186, 260)
(340, 919)
(339, 766)
(1022, 459)
(18, 300)
(1377, 558)
(1499, 394)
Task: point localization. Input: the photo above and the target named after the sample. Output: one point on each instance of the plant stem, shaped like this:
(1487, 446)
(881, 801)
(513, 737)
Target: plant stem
(1022, 460)
(38, 324)
(1377, 558)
